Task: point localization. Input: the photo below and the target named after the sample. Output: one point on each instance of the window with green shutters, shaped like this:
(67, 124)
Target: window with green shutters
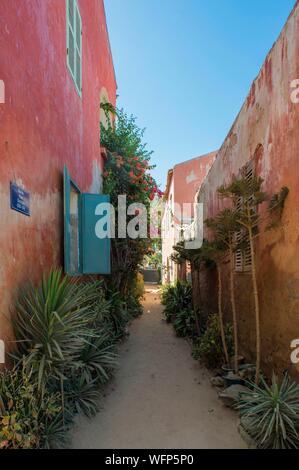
(74, 42)
(85, 250)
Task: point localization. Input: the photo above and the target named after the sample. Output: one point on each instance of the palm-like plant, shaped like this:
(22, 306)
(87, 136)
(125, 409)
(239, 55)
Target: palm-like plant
(249, 218)
(224, 227)
(51, 326)
(270, 414)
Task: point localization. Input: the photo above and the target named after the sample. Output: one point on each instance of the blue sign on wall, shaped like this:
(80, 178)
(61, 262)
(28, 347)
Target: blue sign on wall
(19, 199)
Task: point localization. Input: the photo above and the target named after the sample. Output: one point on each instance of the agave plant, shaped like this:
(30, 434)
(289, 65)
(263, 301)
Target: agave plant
(270, 413)
(51, 326)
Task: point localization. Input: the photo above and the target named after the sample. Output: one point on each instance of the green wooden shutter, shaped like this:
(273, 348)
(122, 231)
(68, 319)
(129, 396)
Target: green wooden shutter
(95, 251)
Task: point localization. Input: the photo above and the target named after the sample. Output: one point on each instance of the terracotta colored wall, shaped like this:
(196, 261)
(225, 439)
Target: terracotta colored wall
(268, 118)
(43, 125)
(189, 175)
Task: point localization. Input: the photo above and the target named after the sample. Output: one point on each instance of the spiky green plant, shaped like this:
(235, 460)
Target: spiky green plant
(176, 298)
(51, 326)
(180, 255)
(98, 359)
(270, 413)
(82, 396)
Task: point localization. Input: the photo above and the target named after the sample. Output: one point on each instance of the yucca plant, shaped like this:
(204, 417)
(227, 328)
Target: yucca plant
(176, 298)
(51, 326)
(270, 413)
(81, 396)
(98, 359)
(180, 256)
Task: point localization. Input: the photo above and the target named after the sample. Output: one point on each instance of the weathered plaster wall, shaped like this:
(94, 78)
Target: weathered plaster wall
(269, 119)
(189, 175)
(43, 125)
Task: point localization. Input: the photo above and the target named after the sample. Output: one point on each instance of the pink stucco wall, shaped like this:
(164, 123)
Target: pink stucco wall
(44, 124)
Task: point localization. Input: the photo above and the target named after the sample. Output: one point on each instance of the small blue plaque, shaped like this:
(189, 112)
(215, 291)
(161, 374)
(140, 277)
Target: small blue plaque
(19, 199)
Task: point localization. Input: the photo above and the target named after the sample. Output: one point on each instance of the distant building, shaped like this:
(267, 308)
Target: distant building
(183, 182)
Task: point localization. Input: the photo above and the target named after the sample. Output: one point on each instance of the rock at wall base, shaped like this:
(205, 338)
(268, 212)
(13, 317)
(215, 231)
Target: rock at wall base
(231, 395)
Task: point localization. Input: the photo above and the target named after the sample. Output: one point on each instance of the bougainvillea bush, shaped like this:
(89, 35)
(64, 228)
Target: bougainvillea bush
(127, 173)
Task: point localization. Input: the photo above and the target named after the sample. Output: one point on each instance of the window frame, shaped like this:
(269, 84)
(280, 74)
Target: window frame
(68, 184)
(76, 49)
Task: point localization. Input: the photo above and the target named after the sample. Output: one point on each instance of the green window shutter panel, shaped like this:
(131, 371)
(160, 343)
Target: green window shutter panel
(95, 250)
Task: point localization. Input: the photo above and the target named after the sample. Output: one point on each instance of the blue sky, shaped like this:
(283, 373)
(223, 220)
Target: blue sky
(184, 67)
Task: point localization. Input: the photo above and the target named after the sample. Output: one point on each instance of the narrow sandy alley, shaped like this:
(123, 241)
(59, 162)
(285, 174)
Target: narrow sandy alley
(160, 397)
